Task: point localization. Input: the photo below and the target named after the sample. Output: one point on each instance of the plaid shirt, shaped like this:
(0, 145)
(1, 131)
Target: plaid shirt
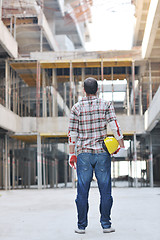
(89, 118)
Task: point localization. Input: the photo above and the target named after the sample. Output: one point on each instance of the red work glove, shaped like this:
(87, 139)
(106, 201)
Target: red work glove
(72, 160)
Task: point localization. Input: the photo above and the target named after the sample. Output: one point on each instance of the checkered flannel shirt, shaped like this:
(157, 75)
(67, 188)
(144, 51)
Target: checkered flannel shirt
(89, 118)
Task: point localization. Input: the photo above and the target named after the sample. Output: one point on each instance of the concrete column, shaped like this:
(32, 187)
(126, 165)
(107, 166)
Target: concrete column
(135, 161)
(133, 86)
(39, 162)
(83, 78)
(65, 99)
(25, 105)
(50, 101)
(9, 86)
(65, 165)
(47, 163)
(56, 172)
(150, 84)
(15, 27)
(74, 92)
(130, 169)
(44, 172)
(1, 172)
(128, 103)
(29, 111)
(14, 93)
(41, 40)
(17, 96)
(44, 94)
(112, 84)
(151, 162)
(102, 77)
(38, 76)
(6, 163)
(29, 172)
(6, 83)
(71, 82)
(140, 98)
(13, 167)
(54, 94)
(53, 174)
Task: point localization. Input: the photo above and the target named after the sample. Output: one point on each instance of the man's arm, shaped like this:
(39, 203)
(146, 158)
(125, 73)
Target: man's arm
(114, 125)
(121, 143)
(72, 142)
(72, 135)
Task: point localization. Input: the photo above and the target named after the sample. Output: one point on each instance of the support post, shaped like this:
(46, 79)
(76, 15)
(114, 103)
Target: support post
(140, 98)
(54, 94)
(150, 84)
(65, 99)
(39, 162)
(44, 172)
(65, 165)
(44, 93)
(38, 90)
(6, 162)
(133, 87)
(135, 161)
(14, 93)
(70, 80)
(6, 83)
(41, 40)
(112, 84)
(56, 172)
(9, 86)
(15, 19)
(128, 103)
(83, 78)
(29, 105)
(102, 77)
(151, 161)
(13, 167)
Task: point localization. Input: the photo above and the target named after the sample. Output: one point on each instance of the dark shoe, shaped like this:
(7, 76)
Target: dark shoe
(80, 231)
(108, 230)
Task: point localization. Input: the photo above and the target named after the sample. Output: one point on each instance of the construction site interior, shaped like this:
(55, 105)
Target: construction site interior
(43, 63)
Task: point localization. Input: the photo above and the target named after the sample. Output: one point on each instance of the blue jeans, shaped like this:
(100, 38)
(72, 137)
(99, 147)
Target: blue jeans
(101, 163)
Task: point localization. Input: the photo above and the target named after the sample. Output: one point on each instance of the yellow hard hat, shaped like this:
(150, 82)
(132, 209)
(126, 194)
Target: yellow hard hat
(110, 144)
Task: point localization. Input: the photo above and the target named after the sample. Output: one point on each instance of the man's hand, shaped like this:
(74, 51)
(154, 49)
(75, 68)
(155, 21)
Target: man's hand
(72, 160)
(119, 150)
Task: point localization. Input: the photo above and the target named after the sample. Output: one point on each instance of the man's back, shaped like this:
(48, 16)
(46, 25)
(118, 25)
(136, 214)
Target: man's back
(89, 117)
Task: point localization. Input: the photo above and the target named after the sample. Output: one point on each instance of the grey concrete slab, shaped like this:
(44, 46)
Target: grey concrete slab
(51, 215)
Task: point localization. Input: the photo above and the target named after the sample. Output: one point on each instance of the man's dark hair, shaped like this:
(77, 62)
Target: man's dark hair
(90, 85)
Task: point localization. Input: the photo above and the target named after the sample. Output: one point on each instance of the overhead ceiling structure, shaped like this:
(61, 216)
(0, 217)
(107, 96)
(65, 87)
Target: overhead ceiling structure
(8, 45)
(141, 13)
(26, 69)
(147, 35)
(28, 24)
(147, 28)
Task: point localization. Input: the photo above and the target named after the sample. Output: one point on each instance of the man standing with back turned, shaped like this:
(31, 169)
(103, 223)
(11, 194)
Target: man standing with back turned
(87, 130)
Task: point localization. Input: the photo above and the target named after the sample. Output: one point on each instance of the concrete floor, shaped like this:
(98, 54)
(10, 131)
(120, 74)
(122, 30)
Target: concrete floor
(51, 215)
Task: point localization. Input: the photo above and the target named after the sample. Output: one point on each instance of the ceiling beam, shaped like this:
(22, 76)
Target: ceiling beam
(151, 28)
